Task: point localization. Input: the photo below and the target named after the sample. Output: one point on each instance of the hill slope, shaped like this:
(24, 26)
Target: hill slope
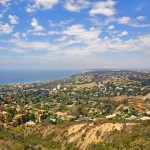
(78, 136)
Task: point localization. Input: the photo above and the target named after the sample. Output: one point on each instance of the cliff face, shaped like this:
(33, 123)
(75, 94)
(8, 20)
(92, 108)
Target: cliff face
(85, 134)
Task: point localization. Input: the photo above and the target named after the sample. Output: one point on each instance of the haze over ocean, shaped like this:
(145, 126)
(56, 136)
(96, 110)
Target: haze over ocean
(23, 76)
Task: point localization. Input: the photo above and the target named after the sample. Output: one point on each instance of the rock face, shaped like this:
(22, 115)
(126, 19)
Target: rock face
(85, 134)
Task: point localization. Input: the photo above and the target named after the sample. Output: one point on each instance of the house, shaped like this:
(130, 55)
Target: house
(58, 87)
(148, 113)
(17, 116)
(61, 115)
(38, 118)
(118, 113)
(3, 112)
(52, 120)
(132, 117)
(70, 117)
(30, 123)
(111, 116)
(18, 108)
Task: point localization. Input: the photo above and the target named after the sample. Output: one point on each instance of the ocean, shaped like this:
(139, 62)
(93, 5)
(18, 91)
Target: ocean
(35, 75)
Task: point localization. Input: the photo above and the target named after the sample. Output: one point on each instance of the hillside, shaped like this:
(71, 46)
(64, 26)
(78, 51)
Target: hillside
(91, 111)
(78, 136)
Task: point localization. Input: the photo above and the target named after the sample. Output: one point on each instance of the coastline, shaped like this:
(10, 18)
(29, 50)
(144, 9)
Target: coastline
(14, 77)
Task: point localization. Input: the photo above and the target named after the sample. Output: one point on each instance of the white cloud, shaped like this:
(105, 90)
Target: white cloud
(140, 43)
(128, 21)
(24, 35)
(16, 35)
(140, 18)
(111, 27)
(13, 19)
(1, 15)
(75, 44)
(18, 50)
(81, 34)
(53, 32)
(139, 25)
(37, 29)
(5, 28)
(36, 25)
(104, 8)
(62, 38)
(4, 2)
(140, 6)
(61, 23)
(76, 5)
(19, 35)
(41, 4)
(124, 20)
(39, 34)
(123, 33)
(13, 49)
(34, 45)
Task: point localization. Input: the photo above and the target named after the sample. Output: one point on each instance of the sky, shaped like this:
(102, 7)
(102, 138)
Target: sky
(75, 34)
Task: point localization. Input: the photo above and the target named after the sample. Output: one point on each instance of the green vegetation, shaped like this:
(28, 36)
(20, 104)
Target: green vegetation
(105, 96)
(136, 139)
(14, 139)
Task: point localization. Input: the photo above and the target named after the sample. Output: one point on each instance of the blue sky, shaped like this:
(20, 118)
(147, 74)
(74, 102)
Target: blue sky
(74, 34)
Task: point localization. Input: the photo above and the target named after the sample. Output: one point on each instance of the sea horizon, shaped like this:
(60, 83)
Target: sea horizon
(20, 76)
